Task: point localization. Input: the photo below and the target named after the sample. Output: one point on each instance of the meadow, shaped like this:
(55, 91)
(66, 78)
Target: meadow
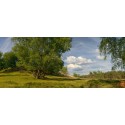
(26, 80)
(43, 55)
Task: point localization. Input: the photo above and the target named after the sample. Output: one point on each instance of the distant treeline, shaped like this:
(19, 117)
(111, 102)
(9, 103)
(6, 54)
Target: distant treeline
(105, 75)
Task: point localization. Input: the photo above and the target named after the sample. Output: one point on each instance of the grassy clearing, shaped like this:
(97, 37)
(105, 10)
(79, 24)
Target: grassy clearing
(25, 80)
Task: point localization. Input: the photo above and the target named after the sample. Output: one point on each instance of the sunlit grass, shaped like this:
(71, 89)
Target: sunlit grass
(26, 80)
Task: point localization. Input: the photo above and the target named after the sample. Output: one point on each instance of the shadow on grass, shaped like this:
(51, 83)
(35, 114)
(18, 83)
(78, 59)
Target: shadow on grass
(44, 85)
(60, 79)
(101, 84)
(11, 75)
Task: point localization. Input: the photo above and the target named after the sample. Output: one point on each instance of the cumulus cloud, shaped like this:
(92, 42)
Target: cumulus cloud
(74, 66)
(100, 57)
(89, 49)
(78, 60)
(77, 63)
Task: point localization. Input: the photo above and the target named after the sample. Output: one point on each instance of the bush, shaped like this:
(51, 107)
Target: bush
(101, 84)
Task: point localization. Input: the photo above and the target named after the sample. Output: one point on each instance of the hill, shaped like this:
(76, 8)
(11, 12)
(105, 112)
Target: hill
(25, 80)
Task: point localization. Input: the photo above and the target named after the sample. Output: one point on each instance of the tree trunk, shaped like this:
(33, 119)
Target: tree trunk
(38, 74)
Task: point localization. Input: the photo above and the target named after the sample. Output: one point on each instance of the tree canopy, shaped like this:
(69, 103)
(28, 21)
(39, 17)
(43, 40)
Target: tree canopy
(41, 55)
(115, 47)
(1, 61)
(10, 60)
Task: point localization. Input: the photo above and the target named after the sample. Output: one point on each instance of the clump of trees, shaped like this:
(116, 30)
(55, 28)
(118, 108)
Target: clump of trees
(111, 75)
(10, 60)
(7, 60)
(76, 75)
(41, 55)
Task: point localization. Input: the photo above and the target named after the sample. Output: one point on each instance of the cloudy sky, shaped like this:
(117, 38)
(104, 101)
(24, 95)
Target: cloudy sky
(82, 58)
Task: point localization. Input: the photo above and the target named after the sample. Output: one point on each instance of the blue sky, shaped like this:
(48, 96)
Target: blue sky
(5, 44)
(82, 58)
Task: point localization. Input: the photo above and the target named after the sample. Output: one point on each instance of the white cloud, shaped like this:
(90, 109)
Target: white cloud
(71, 59)
(78, 60)
(74, 66)
(100, 57)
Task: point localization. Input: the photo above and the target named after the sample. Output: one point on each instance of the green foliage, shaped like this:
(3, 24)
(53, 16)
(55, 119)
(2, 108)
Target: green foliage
(41, 55)
(116, 48)
(111, 75)
(1, 61)
(64, 71)
(76, 75)
(25, 80)
(10, 60)
(101, 84)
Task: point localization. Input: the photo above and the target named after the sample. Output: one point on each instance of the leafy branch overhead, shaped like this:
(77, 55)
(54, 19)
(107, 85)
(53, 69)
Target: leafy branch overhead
(115, 47)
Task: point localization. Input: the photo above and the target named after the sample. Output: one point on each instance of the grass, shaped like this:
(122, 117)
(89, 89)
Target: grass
(26, 80)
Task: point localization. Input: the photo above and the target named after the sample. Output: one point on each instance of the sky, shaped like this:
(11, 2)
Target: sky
(5, 44)
(84, 56)
(81, 59)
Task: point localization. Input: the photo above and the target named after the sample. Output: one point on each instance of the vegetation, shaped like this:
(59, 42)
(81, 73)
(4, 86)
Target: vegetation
(111, 75)
(25, 80)
(76, 75)
(1, 61)
(7, 60)
(10, 60)
(116, 48)
(42, 56)
(64, 71)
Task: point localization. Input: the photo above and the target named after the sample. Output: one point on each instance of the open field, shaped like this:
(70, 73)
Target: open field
(25, 80)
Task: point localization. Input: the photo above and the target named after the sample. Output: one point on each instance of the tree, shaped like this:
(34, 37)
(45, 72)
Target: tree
(115, 47)
(64, 71)
(10, 60)
(41, 55)
(1, 61)
(76, 75)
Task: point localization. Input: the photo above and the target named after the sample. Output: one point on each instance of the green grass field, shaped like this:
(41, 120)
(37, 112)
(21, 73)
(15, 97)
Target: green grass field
(26, 80)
